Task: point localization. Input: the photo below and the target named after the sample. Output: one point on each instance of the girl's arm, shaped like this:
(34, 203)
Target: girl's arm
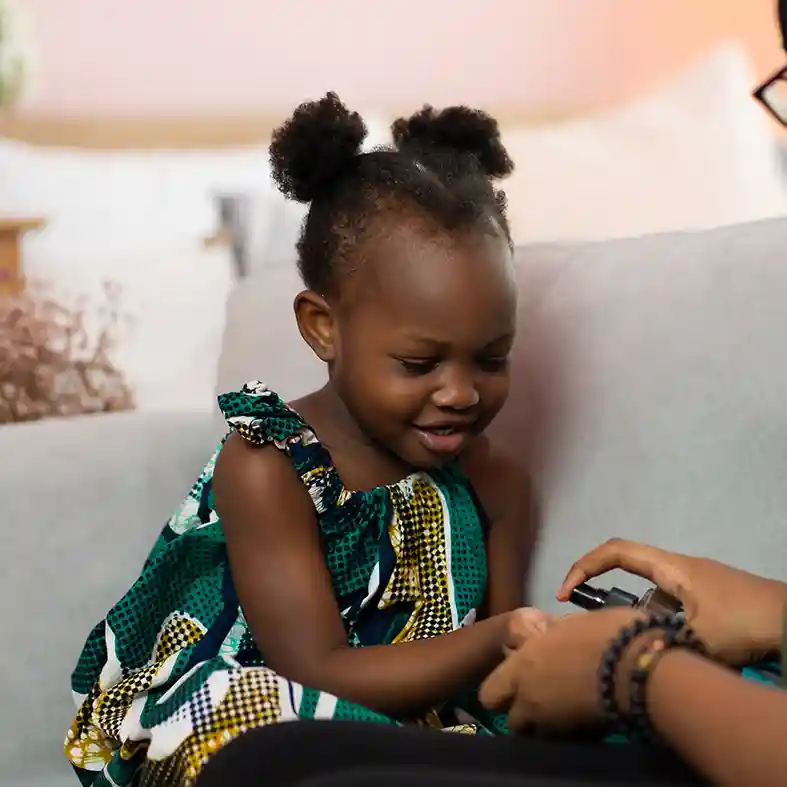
(285, 591)
(509, 502)
(732, 731)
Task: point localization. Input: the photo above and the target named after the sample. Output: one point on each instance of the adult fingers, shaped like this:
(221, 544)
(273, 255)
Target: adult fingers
(499, 688)
(520, 715)
(646, 561)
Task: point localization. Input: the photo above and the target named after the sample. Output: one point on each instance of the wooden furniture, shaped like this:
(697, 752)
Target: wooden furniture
(11, 232)
(206, 132)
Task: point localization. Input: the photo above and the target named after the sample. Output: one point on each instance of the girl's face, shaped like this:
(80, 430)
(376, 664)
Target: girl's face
(422, 344)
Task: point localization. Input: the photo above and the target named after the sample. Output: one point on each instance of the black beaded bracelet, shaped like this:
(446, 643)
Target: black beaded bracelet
(639, 725)
(671, 625)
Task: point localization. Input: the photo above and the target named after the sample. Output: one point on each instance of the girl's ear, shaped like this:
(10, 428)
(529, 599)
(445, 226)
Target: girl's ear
(316, 324)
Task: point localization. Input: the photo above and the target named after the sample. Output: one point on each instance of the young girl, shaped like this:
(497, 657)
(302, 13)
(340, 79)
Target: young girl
(368, 514)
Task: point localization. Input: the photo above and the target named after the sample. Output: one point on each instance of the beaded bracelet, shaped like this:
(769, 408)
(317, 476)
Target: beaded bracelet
(638, 721)
(676, 634)
(612, 656)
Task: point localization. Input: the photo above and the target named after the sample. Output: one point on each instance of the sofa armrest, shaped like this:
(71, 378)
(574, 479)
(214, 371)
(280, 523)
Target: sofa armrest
(83, 500)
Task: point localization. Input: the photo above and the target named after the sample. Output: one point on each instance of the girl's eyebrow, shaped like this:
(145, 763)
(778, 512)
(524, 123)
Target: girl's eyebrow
(422, 339)
(438, 344)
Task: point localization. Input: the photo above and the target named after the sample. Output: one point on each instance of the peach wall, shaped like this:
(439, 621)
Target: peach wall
(189, 56)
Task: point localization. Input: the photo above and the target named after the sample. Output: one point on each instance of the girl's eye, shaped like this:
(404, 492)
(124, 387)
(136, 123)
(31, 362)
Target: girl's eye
(493, 365)
(418, 367)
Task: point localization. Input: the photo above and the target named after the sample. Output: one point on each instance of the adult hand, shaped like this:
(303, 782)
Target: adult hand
(550, 682)
(739, 616)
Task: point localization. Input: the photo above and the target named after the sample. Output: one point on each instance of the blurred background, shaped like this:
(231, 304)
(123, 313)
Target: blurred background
(133, 155)
(244, 56)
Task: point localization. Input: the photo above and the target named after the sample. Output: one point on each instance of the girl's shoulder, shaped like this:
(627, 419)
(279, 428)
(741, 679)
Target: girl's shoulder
(256, 416)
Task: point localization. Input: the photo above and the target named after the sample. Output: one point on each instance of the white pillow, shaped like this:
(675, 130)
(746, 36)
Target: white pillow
(694, 155)
(107, 203)
(174, 309)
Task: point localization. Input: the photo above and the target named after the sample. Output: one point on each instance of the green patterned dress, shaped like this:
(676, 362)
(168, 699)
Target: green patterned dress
(172, 673)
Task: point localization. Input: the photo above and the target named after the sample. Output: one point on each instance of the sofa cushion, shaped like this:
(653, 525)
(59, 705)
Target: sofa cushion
(261, 337)
(650, 394)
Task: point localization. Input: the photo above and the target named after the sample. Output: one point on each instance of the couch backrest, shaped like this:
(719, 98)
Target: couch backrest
(261, 338)
(650, 392)
(649, 389)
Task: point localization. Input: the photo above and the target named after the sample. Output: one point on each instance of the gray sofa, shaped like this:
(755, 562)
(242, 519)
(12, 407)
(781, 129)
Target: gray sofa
(649, 397)
(83, 499)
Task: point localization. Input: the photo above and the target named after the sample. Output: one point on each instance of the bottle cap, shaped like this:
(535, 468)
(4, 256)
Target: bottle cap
(588, 597)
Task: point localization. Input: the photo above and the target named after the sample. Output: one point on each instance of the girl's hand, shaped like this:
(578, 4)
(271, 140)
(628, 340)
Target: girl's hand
(522, 624)
(550, 682)
(739, 616)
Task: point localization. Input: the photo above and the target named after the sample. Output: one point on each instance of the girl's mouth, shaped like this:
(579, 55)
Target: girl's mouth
(443, 439)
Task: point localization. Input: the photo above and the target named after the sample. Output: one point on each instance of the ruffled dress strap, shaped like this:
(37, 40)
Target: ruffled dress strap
(261, 417)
